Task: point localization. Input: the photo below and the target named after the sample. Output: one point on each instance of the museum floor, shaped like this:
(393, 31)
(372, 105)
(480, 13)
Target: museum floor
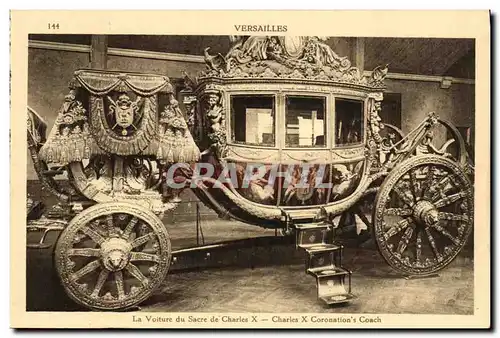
(272, 279)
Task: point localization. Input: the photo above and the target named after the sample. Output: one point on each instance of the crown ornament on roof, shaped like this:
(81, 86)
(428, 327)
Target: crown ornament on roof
(288, 57)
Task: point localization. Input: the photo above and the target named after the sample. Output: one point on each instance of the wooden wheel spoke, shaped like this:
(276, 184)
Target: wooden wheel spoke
(447, 200)
(398, 212)
(400, 226)
(84, 252)
(134, 271)
(413, 183)
(142, 240)
(93, 235)
(403, 196)
(103, 276)
(433, 245)
(446, 233)
(418, 254)
(405, 239)
(85, 270)
(109, 222)
(142, 256)
(440, 188)
(429, 178)
(130, 227)
(453, 217)
(119, 284)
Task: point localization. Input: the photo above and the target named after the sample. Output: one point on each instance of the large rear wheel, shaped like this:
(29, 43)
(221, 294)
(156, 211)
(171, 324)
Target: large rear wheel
(423, 214)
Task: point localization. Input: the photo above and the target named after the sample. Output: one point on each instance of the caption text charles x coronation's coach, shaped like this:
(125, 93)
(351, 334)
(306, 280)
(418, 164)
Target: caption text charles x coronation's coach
(146, 319)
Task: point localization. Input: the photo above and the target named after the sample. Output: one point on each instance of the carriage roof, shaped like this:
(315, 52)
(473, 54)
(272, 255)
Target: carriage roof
(288, 59)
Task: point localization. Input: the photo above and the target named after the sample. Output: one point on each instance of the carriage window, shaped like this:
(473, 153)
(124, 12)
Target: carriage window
(348, 121)
(253, 120)
(305, 121)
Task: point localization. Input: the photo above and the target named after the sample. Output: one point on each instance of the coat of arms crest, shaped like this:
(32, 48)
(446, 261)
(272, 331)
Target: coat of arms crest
(123, 113)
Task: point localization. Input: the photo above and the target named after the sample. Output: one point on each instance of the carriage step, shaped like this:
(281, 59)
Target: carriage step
(313, 225)
(327, 271)
(320, 248)
(324, 262)
(337, 298)
(311, 234)
(331, 283)
(323, 255)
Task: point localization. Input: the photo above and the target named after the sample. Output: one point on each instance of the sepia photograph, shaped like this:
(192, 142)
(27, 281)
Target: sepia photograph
(223, 176)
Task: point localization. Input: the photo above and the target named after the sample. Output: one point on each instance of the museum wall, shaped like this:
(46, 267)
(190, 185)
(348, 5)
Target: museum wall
(49, 72)
(418, 98)
(172, 69)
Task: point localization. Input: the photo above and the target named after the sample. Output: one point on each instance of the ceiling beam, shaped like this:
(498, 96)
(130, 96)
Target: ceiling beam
(99, 51)
(359, 54)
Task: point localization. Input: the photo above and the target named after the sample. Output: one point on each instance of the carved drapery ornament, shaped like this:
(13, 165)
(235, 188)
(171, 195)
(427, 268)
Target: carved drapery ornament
(101, 83)
(121, 119)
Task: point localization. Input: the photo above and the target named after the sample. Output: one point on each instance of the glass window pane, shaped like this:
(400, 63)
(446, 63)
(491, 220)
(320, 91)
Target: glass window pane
(348, 121)
(305, 121)
(253, 120)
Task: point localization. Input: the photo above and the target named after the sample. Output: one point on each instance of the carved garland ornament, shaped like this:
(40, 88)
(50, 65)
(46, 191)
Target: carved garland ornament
(374, 107)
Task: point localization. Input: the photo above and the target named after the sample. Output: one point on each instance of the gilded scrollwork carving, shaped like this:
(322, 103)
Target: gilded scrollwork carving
(247, 154)
(377, 76)
(348, 153)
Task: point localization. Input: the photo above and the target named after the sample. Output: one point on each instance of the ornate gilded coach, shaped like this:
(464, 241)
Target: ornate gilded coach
(295, 131)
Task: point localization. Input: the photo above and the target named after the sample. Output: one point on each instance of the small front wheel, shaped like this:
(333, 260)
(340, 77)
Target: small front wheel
(113, 255)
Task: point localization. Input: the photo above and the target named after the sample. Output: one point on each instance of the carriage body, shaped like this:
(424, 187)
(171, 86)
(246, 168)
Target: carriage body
(293, 134)
(280, 133)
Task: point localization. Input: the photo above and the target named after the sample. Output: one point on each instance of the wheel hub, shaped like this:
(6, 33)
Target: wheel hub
(115, 253)
(425, 213)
